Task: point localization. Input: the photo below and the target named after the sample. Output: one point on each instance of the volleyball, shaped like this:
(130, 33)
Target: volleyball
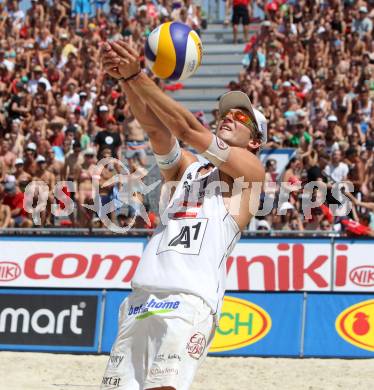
(173, 51)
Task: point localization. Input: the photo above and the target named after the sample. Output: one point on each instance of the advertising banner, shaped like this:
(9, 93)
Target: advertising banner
(49, 320)
(339, 325)
(259, 325)
(354, 266)
(68, 262)
(280, 265)
(113, 300)
(260, 264)
(250, 324)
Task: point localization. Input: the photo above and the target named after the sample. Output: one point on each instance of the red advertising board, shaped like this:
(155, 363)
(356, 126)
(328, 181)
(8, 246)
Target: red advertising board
(254, 265)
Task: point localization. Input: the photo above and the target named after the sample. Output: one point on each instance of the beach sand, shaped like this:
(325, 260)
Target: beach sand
(42, 371)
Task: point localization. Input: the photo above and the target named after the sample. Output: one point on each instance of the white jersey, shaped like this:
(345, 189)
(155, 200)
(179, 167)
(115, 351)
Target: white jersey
(188, 254)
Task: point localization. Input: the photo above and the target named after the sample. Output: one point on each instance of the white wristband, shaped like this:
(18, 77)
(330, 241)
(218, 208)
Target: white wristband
(218, 151)
(170, 160)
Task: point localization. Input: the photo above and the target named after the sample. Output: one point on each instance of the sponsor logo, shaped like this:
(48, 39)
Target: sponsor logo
(51, 320)
(9, 271)
(111, 380)
(168, 371)
(116, 360)
(362, 276)
(356, 325)
(242, 323)
(196, 345)
(153, 307)
(40, 266)
(53, 323)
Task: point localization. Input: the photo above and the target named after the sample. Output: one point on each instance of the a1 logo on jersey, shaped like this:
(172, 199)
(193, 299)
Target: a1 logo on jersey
(183, 236)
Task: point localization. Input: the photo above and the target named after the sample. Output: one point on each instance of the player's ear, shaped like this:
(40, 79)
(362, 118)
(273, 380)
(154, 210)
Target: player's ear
(254, 145)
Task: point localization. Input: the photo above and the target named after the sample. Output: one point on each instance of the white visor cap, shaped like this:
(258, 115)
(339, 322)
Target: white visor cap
(238, 99)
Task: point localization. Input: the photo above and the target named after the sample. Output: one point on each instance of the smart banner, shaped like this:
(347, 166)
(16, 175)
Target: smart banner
(259, 325)
(40, 320)
(354, 265)
(339, 325)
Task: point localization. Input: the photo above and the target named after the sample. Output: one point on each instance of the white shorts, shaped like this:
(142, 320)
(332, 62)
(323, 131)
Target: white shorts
(162, 340)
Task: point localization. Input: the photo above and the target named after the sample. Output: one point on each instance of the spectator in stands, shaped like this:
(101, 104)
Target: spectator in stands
(241, 13)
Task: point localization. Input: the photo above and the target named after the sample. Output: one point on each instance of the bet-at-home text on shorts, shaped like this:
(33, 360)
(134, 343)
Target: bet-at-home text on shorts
(162, 340)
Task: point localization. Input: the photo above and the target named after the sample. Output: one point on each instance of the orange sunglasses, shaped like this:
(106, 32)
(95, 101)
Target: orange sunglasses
(241, 117)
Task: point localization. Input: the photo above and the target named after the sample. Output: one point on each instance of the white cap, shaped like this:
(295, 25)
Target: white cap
(301, 113)
(40, 158)
(31, 146)
(305, 79)
(19, 161)
(266, 23)
(103, 109)
(89, 151)
(363, 9)
(332, 118)
(238, 99)
(286, 206)
(286, 84)
(321, 30)
(263, 224)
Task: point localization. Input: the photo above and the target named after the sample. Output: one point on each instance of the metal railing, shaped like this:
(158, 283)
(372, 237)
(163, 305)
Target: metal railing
(134, 232)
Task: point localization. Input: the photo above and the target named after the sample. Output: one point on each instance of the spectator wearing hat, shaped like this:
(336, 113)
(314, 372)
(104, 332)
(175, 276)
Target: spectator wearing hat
(263, 226)
(85, 105)
(29, 159)
(108, 138)
(20, 174)
(14, 199)
(362, 24)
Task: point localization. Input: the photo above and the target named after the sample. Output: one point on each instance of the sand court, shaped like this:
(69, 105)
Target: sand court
(44, 371)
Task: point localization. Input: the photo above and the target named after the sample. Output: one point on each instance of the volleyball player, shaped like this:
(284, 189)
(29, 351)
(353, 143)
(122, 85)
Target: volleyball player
(168, 321)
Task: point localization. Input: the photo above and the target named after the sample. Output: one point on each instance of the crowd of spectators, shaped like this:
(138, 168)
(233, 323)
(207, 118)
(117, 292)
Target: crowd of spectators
(60, 114)
(310, 70)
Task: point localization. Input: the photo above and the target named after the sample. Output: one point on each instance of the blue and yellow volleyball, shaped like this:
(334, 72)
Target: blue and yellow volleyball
(173, 51)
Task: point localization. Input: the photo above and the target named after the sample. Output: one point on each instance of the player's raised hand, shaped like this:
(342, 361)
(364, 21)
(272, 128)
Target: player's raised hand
(110, 61)
(129, 64)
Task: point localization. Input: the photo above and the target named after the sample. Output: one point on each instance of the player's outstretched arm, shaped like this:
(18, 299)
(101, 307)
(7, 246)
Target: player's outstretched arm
(162, 140)
(237, 162)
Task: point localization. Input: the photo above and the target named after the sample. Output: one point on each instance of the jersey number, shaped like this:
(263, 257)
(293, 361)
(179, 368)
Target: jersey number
(189, 238)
